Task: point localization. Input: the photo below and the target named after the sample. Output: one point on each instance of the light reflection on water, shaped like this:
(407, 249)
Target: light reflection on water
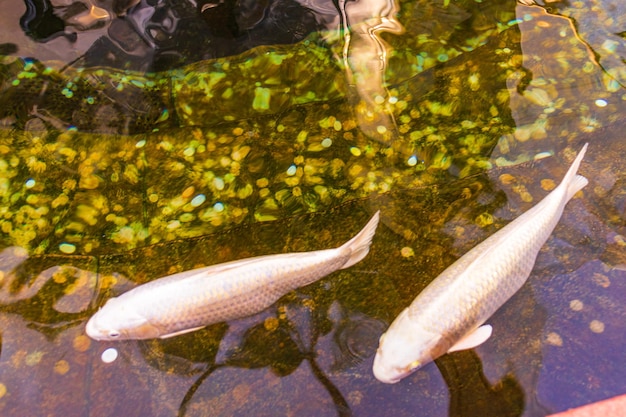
(556, 344)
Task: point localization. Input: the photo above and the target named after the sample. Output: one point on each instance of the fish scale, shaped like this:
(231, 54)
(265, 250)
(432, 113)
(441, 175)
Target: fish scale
(448, 314)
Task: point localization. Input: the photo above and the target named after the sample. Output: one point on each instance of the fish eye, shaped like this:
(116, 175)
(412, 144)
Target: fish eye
(114, 334)
(412, 366)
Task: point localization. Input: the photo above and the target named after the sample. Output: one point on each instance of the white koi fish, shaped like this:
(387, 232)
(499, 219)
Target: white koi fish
(448, 315)
(190, 300)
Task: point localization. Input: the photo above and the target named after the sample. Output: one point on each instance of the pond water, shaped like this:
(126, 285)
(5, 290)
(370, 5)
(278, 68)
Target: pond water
(143, 138)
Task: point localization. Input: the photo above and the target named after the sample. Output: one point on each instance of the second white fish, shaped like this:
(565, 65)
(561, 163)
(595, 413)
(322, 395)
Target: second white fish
(448, 315)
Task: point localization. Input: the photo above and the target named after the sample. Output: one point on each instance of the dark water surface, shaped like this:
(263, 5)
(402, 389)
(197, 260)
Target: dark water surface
(140, 139)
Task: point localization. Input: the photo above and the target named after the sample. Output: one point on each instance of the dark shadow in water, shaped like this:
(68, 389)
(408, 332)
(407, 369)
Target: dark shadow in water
(471, 394)
(160, 35)
(281, 349)
(36, 285)
(516, 356)
(40, 22)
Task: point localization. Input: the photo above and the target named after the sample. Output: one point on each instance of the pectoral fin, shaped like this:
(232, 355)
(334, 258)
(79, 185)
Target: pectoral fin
(473, 339)
(178, 333)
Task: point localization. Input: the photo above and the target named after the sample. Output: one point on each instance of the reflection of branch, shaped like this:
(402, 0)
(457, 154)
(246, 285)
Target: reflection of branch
(192, 390)
(593, 56)
(341, 405)
(343, 409)
(258, 349)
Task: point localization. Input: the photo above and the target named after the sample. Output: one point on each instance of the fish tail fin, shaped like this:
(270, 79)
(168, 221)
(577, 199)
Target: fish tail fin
(359, 245)
(571, 180)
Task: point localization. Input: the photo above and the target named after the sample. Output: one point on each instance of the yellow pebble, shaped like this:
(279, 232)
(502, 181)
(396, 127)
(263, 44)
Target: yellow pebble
(554, 339)
(61, 367)
(81, 343)
(59, 277)
(34, 358)
(188, 192)
(523, 193)
(507, 179)
(485, 219)
(270, 324)
(89, 182)
(576, 305)
(108, 281)
(601, 280)
(3, 390)
(548, 185)
(407, 252)
(596, 326)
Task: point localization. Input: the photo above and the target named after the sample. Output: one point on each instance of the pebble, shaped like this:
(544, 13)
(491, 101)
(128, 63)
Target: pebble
(576, 305)
(407, 252)
(601, 103)
(198, 200)
(81, 343)
(61, 367)
(601, 280)
(554, 339)
(109, 355)
(596, 326)
(271, 324)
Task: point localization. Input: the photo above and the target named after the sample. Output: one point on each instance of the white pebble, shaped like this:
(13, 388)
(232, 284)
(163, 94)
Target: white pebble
(218, 183)
(198, 200)
(601, 103)
(67, 248)
(109, 355)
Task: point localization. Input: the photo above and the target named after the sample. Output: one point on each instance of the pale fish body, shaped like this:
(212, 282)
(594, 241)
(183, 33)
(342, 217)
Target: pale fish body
(190, 300)
(449, 313)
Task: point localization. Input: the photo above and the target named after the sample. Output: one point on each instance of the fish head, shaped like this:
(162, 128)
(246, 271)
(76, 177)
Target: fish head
(119, 321)
(403, 349)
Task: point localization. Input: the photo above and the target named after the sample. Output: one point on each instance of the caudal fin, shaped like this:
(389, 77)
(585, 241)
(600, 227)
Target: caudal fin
(573, 182)
(360, 244)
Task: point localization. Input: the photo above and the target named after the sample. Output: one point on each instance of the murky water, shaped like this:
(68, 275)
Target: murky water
(141, 139)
